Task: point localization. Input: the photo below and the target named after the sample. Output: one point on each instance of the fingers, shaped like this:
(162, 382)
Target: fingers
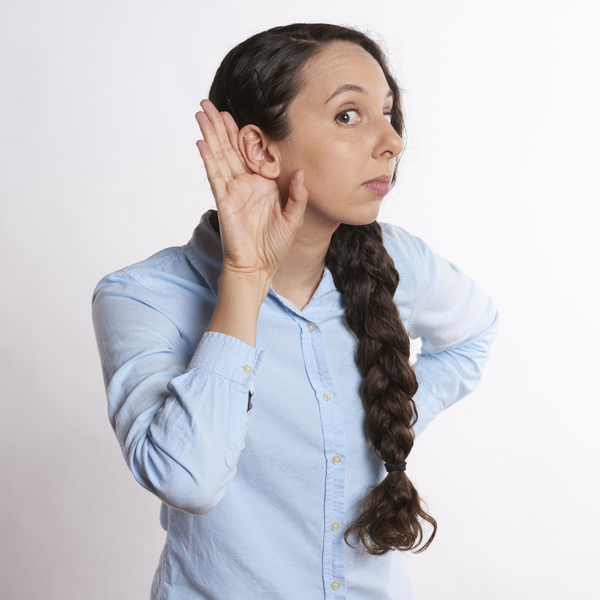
(215, 178)
(217, 137)
(219, 166)
(232, 131)
(297, 199)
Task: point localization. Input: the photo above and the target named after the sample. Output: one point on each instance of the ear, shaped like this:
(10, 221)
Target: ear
(259, 152)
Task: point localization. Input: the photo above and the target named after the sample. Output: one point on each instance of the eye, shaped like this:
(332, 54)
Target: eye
(350, 116)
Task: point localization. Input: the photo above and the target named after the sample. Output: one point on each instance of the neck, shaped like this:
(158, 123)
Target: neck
(300, 272)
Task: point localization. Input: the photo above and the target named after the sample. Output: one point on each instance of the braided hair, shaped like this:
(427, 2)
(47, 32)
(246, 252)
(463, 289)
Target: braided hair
(365, 273)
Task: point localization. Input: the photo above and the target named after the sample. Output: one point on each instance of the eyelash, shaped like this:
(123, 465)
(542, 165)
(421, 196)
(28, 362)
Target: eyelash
(357, 111)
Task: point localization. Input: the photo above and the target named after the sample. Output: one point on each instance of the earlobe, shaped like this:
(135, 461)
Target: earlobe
(257, 151)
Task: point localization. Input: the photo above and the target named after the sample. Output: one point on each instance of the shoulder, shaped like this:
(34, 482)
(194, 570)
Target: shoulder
(403, 245)
(159, 279)
(409, 253)
(195, 266)
(413, 257)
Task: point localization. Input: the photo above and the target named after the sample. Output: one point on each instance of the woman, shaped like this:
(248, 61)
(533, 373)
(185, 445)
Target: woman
(258, 378)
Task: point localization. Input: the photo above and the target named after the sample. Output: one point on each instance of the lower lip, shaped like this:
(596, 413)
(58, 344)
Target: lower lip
(378, 187)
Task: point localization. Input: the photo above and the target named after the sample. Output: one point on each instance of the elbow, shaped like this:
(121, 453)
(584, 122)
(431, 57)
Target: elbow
(178, 479)
(192, 501)
(183, 490)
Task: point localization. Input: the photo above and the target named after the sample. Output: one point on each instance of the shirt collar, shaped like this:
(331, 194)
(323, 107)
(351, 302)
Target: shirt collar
(205, 253)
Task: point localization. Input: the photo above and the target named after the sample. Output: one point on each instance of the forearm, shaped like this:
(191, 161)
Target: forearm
(182, 434)
(238, 305)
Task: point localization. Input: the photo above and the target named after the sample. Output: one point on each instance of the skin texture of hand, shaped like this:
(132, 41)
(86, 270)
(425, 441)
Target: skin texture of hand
(256, 231)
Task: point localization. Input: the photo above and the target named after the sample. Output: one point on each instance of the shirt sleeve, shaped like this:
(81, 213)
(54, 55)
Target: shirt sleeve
(181, 423)
(457, 324)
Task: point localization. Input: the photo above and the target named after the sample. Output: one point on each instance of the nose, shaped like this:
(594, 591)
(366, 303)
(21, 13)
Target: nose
(389, 143)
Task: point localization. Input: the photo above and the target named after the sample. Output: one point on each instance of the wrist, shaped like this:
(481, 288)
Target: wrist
(252, 285)
(238, 305)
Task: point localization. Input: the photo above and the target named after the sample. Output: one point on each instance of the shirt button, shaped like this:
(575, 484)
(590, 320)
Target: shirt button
(327, 396)
(336, 460)
(311, 327)
(335, 585)
(335, 526)
(247, 369)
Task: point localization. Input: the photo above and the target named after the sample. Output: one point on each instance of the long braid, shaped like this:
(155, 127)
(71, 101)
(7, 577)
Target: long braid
(364, 272)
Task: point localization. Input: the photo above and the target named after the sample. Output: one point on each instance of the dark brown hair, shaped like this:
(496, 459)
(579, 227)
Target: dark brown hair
(256, 83)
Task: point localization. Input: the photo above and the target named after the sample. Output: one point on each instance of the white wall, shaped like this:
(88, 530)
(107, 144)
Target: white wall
(99, 169)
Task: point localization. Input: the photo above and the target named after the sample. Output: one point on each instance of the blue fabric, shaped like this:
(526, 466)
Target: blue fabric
(250, 495)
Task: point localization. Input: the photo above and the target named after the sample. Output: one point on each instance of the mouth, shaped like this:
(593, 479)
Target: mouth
(379, 185)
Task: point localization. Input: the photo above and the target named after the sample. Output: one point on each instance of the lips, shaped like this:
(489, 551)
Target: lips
(379, 185)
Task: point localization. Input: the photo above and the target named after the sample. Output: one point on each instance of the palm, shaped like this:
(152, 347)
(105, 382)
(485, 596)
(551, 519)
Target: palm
(256, 232)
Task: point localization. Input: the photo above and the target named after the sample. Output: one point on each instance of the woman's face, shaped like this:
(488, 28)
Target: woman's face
(341, 136)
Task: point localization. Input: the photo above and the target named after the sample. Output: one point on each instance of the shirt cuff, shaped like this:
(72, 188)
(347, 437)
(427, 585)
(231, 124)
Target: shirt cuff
(228, 357)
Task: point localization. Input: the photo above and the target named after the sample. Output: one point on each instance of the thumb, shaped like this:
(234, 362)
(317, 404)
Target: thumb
(297, 199)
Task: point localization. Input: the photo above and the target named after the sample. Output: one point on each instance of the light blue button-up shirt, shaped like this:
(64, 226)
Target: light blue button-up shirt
(256, 500)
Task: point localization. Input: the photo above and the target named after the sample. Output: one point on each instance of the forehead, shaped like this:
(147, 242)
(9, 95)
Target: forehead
(338, 64)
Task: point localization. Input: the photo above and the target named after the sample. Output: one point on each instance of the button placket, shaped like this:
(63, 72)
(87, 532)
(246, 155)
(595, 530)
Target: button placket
(319, 370)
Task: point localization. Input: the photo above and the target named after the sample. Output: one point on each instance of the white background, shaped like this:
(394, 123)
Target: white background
(501, 176)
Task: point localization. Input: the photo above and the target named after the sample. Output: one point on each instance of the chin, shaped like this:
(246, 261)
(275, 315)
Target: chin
(357, 212)
(365, 217)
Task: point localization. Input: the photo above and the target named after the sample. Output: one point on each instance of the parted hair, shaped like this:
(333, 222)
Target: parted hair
(255, 83)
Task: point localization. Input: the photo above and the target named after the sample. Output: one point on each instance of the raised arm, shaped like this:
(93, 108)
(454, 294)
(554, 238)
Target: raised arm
(256, 231)
(181, 413)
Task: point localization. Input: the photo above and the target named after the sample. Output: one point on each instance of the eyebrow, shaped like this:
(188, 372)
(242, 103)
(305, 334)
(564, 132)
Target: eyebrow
(350, 87)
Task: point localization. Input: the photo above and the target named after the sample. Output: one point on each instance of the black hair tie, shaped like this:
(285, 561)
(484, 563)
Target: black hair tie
(389, 467)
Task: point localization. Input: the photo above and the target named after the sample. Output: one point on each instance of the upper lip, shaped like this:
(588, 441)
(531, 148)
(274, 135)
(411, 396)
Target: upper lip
(382, 178)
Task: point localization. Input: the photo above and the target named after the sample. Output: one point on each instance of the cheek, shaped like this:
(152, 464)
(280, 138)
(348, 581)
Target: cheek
(333, 166)
(327, 182)
(336, 163)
